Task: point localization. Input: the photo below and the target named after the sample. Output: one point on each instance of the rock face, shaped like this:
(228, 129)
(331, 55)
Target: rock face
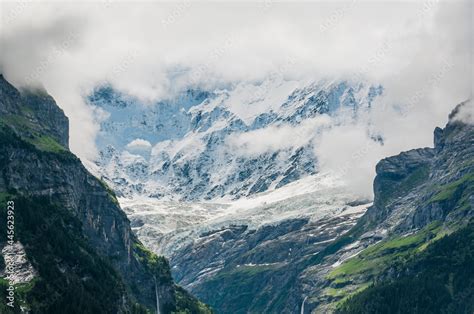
(415, 180)
(38, 109)
(210, 144)
(256, 271)
(392, 174)
(37, 168)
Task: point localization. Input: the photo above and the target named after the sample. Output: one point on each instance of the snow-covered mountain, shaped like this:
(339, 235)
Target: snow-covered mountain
(225, 143)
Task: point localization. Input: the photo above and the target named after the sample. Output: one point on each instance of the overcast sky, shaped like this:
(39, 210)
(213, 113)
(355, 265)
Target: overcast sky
(420, 51)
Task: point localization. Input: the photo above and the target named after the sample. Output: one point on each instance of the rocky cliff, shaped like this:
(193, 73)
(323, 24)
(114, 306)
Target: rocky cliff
(416, 236)
(35, 108)
(420, 186)
(84, 256)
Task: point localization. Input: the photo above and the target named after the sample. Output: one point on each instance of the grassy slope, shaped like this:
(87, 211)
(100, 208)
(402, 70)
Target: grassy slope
(353, 281)
(439, 280)
(358, 272)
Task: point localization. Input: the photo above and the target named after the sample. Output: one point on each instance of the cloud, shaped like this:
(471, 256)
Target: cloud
(464, 113)
(420, 51)
(348, 152)
(139, 145)
(350, 147)
(273, 138)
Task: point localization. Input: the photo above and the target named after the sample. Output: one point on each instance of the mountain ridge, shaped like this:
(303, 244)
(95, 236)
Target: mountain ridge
(88, 246)
(173, 148)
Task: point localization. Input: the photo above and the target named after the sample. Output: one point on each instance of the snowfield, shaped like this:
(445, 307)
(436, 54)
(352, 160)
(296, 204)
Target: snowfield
(166, 226)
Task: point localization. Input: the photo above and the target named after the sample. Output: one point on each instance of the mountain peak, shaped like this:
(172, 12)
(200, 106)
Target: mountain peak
(33, 114)
(197, 131)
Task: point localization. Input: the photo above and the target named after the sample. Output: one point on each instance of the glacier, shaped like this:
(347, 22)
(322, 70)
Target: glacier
(166, 226)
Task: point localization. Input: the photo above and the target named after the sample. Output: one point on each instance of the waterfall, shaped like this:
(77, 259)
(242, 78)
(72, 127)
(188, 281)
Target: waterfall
(302, 305)
(157, 297)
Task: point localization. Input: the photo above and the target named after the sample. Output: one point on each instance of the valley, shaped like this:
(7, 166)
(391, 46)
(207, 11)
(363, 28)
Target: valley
(226, 157)
(258, 228)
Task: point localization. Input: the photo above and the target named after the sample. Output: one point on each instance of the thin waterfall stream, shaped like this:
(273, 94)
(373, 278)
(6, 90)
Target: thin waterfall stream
(157, 297)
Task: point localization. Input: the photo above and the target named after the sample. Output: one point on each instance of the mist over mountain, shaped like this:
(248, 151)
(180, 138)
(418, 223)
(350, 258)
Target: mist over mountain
(152, 54)
(222, 144)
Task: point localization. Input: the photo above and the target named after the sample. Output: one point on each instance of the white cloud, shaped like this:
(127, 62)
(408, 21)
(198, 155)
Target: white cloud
(465, 113)
(349, 153)
(129, 159)
(420, 51)
(274, 138)
(139, 144)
